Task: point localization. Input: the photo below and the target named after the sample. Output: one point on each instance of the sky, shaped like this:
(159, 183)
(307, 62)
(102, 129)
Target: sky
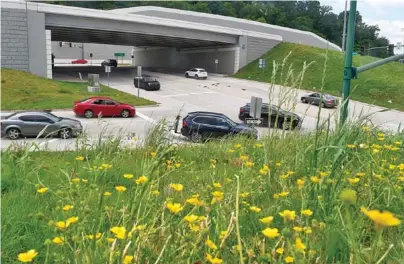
(388, 14)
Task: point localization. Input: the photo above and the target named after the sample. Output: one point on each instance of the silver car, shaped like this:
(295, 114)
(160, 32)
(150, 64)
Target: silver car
(327, 100)
(32, 123)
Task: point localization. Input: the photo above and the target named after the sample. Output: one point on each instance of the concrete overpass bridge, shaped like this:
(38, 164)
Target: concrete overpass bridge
(163, 37)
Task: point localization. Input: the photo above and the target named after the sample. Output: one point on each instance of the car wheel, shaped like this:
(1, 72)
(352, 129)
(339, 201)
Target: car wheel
(196, 137)
(88, 114)
(125, 113)
(205, 78)
(186, 75)
(196, 76)
(322, 105)
(304, 101)
(13, 133)
(65, 133)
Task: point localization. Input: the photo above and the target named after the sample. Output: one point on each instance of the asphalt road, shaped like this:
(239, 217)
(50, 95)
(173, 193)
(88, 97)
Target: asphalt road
(181, 95)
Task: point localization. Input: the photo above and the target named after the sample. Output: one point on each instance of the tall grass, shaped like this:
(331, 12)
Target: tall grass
(224, 192)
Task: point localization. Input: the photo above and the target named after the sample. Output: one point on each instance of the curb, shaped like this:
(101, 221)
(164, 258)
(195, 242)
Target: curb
(65, 109)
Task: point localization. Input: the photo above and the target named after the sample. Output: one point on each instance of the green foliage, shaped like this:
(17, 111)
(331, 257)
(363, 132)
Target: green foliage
(376, 86)
(336, 230)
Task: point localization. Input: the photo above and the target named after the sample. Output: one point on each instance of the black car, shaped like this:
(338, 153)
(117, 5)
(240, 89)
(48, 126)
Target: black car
(110, 62)
(147, 82)
(284, 118)
(199, 126)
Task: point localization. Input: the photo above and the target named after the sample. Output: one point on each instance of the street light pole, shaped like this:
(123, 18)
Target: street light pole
(349, 72)
(344, 30)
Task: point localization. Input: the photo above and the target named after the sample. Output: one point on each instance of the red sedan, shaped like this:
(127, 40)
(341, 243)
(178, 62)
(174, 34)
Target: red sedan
(79, 61)
(103, 106)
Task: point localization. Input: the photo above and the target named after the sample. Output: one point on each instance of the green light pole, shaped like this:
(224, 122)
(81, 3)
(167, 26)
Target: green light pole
(349, 71)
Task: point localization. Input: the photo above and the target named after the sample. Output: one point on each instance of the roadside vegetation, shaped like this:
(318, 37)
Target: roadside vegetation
(326, 197)
(25, 91)
(383, 86)
(329, 196)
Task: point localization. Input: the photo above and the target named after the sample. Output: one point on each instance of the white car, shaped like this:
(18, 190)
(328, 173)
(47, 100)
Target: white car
(197, 73)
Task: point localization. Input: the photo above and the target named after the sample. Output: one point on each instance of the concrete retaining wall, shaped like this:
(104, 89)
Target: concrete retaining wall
(14, 39)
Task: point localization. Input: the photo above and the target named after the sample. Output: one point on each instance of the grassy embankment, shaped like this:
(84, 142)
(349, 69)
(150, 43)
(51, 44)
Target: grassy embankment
(301, 198)
(24, 91)
(189, 205)
(377, 86)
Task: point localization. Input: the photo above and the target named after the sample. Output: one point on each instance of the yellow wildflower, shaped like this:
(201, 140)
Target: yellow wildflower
(315, 179)
(223, 234)
(300, 183)
(213, 260)
(298, 228)
(299, 245)
(62, 225)
(194, 228)
(217, 197)
(120, 188)
(107, 194)
(255, 209)
(177, 165)
(288, 215)
(210, 244)
(249, 164)
(142, 179)
(72, 220)
(381, 218)
(42, 190)
(289, 259)
(127, 259)
(58, 240)
(267, 220)
(231, 150)
(244, 195)
(280, 251)
(155, 192)
(128, 176)
(360, 174)
(174, 208)
(217, 185)
(68, 207)
(351, 146)
(153, 154)
(278, 164)
(110, 240)
(27, 256)
(195, 201)
(353, 180)
(307, 212)
(191, 218)
(283, 194)
(270, 232)
(178, 187)
(244, 157)
(81, 158)
(119, 232)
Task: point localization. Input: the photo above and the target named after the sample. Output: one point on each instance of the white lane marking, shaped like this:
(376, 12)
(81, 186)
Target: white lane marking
(145, 117)
(186, 94)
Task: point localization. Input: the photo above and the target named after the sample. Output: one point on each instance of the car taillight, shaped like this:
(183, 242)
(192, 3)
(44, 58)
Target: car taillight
(184, 123)
(241, 110)
(329, 101)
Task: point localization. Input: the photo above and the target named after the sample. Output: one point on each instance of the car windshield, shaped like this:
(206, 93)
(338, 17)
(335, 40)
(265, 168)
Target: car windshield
(52, 116)
(231, 122)
(150, 79)
(328, 96)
